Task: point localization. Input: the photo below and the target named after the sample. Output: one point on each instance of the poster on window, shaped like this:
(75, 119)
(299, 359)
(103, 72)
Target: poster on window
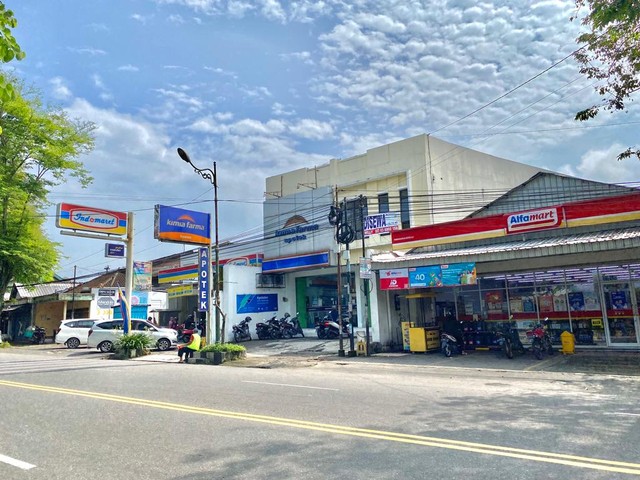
(576, 301)
(619, 300)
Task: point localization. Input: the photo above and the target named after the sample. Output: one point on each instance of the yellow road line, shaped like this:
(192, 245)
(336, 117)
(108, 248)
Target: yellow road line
(488, 449)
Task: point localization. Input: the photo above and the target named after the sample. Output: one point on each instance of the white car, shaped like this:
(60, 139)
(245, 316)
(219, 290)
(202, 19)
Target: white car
(74, 333)
(104, 334)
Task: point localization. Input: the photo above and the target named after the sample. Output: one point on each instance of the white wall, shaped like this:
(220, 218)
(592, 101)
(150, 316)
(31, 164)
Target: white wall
(240, 279)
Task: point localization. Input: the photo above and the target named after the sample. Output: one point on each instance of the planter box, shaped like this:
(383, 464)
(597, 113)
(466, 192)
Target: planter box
(218, 357)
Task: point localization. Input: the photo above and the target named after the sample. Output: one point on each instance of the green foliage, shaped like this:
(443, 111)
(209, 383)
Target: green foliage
(610, 54)
(5, 345)
(39, 148)
(223, 347)
(9, 49)
(139, 342)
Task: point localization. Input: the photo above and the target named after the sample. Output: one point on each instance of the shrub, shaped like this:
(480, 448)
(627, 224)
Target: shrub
(223, 347)
(140, 342)
(5, 345)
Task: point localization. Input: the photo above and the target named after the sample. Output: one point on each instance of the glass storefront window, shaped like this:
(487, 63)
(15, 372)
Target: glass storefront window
(619, 307)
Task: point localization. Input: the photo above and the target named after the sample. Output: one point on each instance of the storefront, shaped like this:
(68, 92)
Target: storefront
(574, 263)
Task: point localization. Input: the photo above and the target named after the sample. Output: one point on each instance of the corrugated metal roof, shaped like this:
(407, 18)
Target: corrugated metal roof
(42, 290)
(578, 243)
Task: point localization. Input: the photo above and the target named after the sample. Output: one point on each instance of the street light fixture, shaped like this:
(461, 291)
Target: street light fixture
(212, 177)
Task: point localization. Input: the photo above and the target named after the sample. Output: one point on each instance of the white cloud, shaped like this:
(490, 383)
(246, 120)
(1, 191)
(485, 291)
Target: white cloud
(60, 89)
(94, 52)
(176, 19)
(603, 165)
(128, 68)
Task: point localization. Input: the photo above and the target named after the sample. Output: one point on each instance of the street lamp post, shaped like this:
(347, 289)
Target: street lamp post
(212, 177)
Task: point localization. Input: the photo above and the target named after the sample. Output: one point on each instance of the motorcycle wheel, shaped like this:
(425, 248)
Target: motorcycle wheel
(550, 349)
(301, 333)
(321, 334)
(447, 350)
(235, 337)
(508, 348)
(536, 349)
(288, 333)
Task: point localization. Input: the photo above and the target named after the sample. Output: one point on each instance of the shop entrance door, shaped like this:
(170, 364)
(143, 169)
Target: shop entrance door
(621, 304)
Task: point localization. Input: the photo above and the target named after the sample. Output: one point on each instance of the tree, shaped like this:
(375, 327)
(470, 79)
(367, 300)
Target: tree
(9, 49)
(39, 148)
(610, 54)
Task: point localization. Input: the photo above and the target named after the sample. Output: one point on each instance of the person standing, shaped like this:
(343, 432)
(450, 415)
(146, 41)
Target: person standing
(187, 349)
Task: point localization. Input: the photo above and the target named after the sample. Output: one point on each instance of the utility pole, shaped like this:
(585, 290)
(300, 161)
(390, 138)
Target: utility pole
(365, 313)
(73, 295)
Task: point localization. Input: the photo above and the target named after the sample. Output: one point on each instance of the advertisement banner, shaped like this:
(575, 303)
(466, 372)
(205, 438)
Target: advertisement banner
(395, 279)
(256, 303)
(142, 276)
(430, 276)
(381, 223)
(181, 226)
(90, 219)
(459, 274)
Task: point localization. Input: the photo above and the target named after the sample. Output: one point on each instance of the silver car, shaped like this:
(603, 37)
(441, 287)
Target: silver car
(104, 334)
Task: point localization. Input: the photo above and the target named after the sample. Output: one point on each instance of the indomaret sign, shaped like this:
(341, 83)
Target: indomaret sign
(90, 219)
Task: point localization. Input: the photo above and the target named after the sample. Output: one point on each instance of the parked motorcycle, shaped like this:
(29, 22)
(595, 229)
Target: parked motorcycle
(241, 331)
(540, 340)
(449, 344)
(269, 328)
(38, 334)
(329, 329)
(290, 326)
(509, 340)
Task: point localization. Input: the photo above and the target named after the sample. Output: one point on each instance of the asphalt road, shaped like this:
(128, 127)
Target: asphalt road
(79, 416)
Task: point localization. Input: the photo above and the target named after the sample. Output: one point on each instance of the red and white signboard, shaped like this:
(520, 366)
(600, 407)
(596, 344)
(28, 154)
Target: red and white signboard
(395, 279)
(598, 211)
(533, 220)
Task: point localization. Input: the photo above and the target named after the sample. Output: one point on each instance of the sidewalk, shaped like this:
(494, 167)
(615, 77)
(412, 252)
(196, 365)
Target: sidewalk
(310, 351)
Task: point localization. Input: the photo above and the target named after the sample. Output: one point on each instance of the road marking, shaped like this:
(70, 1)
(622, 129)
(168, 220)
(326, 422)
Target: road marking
(289, 385)
(16, 463)
(623, 413)
(488, 449)
(544, 363)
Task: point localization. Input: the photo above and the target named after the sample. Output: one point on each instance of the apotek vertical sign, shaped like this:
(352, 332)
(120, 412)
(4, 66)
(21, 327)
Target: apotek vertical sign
(203, 279)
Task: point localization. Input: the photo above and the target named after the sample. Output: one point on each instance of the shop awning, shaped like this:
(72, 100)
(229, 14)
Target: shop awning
(586, 243)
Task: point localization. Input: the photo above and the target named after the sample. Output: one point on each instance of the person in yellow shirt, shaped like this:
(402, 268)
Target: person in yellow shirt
(187, 349)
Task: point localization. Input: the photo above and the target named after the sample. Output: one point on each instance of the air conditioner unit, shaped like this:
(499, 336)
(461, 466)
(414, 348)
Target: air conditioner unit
(269, 280)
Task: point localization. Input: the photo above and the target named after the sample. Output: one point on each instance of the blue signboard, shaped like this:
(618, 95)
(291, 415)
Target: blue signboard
(181, 226)
(296, 262)
(256, 303)
(203, 279)
(425, 276)
(443, 275)
(114, 250)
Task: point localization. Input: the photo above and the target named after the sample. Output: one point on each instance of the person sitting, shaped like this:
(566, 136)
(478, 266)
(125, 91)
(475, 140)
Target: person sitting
(187, 349)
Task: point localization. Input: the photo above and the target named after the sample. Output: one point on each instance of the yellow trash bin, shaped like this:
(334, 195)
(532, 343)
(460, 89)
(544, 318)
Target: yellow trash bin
(568, 343)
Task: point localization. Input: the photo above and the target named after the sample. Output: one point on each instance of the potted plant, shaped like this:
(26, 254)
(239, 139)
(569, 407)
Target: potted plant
(220, 352)
(133, 345)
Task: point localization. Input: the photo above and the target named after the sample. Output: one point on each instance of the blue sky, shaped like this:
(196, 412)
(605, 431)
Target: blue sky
(263, 87)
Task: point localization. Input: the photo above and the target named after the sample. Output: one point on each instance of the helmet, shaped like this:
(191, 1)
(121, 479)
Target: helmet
(286, 315)
(247, 319)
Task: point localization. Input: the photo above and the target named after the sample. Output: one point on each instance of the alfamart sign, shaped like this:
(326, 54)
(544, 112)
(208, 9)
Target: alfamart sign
(600, 211)
(90, 219)
(534, 220)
